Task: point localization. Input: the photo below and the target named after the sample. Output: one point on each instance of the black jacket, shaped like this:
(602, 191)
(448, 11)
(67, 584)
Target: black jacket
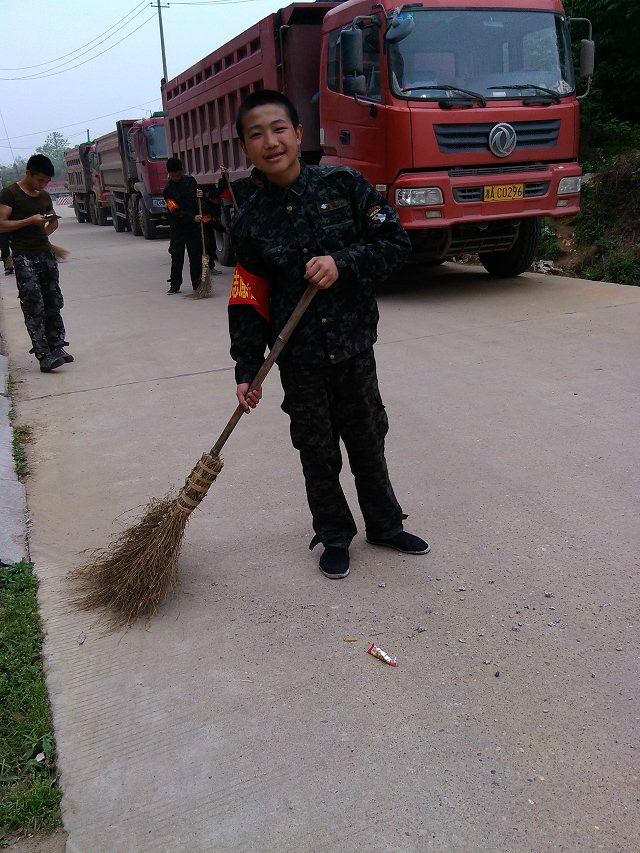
(327, 211)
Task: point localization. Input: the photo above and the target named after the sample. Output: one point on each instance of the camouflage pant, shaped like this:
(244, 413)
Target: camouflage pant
(41, 300)
(325, 405)
(189, 240)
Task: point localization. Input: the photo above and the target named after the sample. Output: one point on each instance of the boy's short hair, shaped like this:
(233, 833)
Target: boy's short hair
(39, 164)
(260, 99)
(174, 164)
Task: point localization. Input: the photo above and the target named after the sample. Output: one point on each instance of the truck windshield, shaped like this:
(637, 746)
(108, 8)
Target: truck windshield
(481, 50)
(156, 142)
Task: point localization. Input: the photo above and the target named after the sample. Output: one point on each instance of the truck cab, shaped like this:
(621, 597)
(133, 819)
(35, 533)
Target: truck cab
(465, 117)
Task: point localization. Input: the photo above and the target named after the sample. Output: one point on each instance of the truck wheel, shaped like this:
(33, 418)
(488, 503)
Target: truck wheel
(93, 210)
(224, 250)
(118, 221)
(147, 224)
(132, 213)
(519, 257)
(102, 215)
(80, 216)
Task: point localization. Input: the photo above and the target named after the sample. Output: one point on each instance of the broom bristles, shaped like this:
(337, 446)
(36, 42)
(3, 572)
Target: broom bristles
(60, 253)
(204, 288)
(133, 576)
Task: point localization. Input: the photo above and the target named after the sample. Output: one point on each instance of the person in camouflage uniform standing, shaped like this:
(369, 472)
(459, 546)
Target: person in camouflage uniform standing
(26, 214)
(327, 226)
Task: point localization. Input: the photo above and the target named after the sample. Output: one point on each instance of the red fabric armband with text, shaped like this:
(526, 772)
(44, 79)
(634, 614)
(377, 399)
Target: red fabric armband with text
(172, 205)
(250, 289)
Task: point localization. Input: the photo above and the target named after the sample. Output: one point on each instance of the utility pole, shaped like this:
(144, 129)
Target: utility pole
(88, 136)
(160, 7)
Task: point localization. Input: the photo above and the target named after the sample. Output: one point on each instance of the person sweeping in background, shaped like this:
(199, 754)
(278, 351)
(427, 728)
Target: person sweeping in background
(329, 227)
(180, 194)
(26, 214)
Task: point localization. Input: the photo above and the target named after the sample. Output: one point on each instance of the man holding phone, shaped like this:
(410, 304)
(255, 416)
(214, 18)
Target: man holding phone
(26, 214)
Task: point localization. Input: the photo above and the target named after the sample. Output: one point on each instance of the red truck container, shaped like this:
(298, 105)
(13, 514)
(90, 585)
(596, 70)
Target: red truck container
(90, 201)
(131, 161)
(465, 115)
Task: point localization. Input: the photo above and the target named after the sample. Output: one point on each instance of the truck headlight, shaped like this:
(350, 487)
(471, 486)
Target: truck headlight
(569, 186)
(420, 197)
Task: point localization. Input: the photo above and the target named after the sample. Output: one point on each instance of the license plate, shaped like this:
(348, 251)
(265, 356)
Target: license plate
(160, 202)
(504, 192)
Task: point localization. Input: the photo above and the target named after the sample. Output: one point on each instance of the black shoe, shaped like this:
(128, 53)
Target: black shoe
(173, 290)
(214, 271)
(58, 352)
(50, 362)
(9, 272)
(334, 563)
(404, 542)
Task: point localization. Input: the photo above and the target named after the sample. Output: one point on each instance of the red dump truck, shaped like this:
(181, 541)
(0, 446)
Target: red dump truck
(120, 176)
(90, 202)
(464, 115)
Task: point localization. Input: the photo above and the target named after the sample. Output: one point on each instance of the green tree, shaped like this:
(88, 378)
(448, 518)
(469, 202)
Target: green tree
(9, 174)
(54, 147)
(616, 32)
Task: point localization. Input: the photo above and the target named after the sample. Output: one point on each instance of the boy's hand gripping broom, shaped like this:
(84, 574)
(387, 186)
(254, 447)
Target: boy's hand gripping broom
(133, 576)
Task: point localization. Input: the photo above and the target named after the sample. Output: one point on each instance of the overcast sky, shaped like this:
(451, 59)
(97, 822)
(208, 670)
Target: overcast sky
(124, 80)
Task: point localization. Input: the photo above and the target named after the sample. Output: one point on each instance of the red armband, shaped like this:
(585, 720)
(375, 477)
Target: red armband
(172, 205)
(250, 289)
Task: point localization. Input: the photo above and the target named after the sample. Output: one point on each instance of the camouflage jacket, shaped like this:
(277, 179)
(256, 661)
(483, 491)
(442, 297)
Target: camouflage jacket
(327, 211)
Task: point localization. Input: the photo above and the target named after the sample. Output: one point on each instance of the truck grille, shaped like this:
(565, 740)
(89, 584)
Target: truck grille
(532, 190)
(469, 171)
(456, 138)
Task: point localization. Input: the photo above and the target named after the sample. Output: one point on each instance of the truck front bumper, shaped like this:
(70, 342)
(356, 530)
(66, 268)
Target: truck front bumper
(463, 193)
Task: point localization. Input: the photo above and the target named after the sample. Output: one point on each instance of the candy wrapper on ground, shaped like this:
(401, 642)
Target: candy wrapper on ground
(377, 652)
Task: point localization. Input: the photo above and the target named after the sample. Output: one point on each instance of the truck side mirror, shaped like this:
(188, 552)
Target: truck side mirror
(351, 53)
(401, 26)
(587, 57)
(355, 85)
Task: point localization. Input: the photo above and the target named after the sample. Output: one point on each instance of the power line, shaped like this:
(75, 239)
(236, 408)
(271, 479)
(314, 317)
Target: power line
(211, 2)
(85, 120)
(44, 75)
(71, 52)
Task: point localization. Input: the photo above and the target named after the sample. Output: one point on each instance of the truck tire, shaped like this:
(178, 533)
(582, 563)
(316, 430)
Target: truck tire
(118, 222)
(519, 257)
(147, 224)
(132, 213)
(93, 210)
(224, 250)
(80, 216)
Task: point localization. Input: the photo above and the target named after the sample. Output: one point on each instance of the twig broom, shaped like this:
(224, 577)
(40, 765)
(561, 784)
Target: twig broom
(204, 288)
(132, 577)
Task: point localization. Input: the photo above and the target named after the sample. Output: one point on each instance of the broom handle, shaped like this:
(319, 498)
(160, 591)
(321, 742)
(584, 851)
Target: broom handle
(261, 375)
(204, 248)
(233, 195)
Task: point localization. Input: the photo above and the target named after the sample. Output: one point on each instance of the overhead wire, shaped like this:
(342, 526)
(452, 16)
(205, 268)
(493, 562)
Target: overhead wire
(44, 75)
(86, 44)
(84, 120)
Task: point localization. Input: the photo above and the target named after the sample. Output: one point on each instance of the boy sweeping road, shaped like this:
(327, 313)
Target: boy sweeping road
(327, 226)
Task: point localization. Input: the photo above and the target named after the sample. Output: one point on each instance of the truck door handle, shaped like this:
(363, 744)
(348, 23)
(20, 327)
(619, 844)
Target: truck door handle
(345, 137)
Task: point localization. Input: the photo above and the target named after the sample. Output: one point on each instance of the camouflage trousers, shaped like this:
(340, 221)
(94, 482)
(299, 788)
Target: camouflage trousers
(326, 404)
(41, 300)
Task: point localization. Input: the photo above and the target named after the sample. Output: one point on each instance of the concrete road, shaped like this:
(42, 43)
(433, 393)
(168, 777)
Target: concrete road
(240, 719)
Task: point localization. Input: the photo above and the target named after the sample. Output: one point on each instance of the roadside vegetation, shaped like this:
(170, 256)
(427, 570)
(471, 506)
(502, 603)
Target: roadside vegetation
(29, 793)
(603, 241)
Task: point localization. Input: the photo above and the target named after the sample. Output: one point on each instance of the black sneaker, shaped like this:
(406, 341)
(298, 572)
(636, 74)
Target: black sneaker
(173, 290)
(58, 352)
(50, 362)
(404, 542)
(215, 271)
(334, 563)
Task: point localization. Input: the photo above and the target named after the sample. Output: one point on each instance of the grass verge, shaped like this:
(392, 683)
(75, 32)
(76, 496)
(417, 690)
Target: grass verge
(29, 793)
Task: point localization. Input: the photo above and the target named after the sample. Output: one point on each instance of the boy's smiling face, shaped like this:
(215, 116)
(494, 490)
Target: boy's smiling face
(271, 143)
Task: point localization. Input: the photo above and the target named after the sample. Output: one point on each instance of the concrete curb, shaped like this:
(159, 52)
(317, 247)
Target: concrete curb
(13, 502)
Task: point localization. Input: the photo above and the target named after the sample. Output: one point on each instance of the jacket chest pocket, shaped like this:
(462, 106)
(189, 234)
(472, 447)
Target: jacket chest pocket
(335, 220)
